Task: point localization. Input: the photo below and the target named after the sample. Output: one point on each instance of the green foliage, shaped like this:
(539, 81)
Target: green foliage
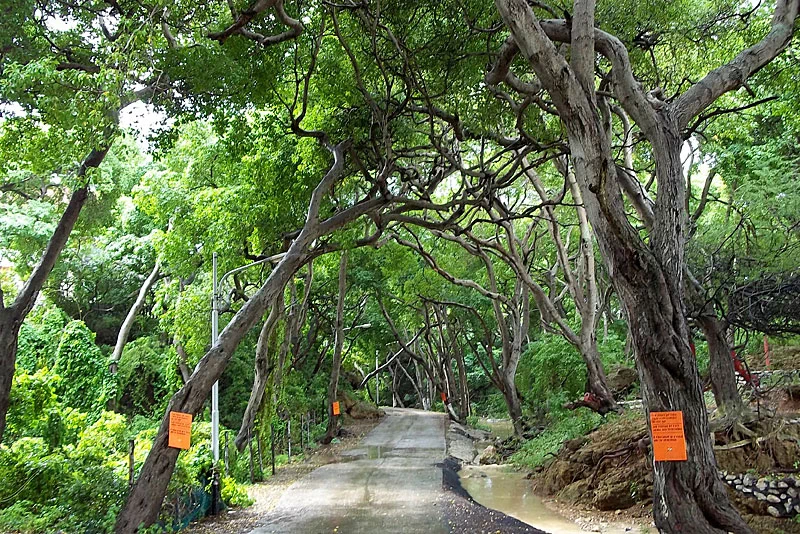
(39, 337)
(550, 366)
(562, 425)
(147, 377)
(74, 488)
(234, 494)
(85, 381)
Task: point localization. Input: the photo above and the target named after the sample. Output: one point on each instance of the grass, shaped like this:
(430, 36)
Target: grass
(564, 425)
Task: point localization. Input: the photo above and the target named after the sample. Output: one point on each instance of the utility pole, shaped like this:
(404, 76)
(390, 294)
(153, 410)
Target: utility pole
(214, 392)
(215, 298)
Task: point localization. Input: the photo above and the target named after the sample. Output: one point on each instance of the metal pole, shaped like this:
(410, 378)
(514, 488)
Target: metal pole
(377, 382)
(214, 391)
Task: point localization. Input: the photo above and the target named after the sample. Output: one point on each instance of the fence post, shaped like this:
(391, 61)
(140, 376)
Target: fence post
(252, 467)
(227, 461)
(131, 460)
(260, 455)
(272, 445)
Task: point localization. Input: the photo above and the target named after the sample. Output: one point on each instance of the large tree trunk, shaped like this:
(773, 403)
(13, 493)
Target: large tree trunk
(12, 316)
(596, 382)
(263, 370)
(688, 496)
(513, 404)
(147, 494)
(9, 336)
(333, 385)
(723, 375)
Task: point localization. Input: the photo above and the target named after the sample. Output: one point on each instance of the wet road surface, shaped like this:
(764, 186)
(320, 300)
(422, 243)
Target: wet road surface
(387, 484)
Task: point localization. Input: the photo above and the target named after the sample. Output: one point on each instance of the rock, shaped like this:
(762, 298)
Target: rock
(762, 484)
(575, 492)
(773, 484)
(738, 481)
(773, 499)
(621, 379)
(739, 487)
(613, 497)
(748, 479)
(791, 492)
(760, 496)
(747, 490)
(575, 444)
(730, 478)
(488, 456)
(782, 485)
(797, 508)
(774, 512)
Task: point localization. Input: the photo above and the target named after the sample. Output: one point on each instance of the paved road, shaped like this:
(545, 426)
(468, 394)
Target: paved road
(388, 484)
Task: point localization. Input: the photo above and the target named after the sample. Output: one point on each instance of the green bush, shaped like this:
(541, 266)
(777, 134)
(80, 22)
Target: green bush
(563, 425)
(234, 494)
(86, 383)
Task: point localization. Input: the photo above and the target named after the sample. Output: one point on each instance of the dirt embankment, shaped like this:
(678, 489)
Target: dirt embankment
(610, 470)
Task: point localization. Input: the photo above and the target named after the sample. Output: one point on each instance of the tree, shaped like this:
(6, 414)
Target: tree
(647, 276)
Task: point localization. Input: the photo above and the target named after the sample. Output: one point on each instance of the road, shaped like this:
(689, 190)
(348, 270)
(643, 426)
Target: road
(388, 484)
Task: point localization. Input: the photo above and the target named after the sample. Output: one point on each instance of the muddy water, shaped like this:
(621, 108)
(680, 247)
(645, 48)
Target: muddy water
(510, 492)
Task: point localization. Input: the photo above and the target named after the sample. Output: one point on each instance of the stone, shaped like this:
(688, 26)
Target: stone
(774, 512)
(784, 497)
(791, 492)
(762, 484)
(730, 478)
(488, 456)
(797, 508)
(748, 479)
(739, 487)
(613, 497)
(773, 484)
(620, 379)
(782, 485)
(747, 490)
(760, 496)
(773, 499)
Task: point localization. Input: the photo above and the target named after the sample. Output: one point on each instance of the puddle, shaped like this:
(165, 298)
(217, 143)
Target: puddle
(511, 493)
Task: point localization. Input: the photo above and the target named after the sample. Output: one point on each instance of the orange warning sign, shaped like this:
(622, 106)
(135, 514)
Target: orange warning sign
(669, 442)
(180, 430)
(336, 408)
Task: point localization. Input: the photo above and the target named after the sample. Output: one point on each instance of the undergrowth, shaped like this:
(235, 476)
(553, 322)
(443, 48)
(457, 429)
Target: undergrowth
(562, 425)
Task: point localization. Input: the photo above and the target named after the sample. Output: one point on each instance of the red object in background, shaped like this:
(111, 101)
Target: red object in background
(694, 350)
(766, 351)
(444, 397)
(740, 368)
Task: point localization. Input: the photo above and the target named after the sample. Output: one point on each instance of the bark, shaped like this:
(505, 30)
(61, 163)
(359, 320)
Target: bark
(183, 366)
(145, 498)
(723, 375)
(333, 385)
(12, 316)
(127, 324)
(263, 369)
(688, 496)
